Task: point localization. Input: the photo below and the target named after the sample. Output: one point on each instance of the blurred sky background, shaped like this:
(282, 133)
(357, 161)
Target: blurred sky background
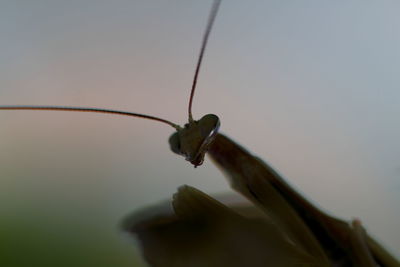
(312, 87)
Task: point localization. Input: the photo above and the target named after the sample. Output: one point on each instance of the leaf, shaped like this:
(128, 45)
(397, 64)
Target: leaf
(204, 232)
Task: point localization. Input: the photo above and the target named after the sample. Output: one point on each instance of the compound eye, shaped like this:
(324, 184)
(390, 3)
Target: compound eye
(175, 143)
(209, 125)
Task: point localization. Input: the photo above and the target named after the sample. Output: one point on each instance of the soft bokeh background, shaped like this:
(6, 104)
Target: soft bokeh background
(310, 86)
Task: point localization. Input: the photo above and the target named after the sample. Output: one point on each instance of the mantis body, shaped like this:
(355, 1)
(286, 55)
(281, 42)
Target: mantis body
(289, 232)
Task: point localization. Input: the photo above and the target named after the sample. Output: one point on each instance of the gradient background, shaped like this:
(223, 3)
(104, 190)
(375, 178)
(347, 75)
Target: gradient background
(310, 86)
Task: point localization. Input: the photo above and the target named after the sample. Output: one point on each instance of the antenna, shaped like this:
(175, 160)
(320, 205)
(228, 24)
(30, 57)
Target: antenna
(210, 22)
(97, 110)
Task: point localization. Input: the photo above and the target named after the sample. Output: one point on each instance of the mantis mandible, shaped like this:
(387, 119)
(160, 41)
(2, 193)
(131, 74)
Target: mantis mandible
(306, 226)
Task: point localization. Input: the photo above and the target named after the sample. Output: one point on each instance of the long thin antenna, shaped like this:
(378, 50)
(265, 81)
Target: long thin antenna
(98, 110)
(211, 18)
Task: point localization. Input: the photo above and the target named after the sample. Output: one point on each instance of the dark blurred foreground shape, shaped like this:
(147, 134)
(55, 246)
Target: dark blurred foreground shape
(280, 228)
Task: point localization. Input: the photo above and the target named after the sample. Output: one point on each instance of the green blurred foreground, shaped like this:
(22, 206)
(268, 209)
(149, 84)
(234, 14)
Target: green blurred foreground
(35, 241)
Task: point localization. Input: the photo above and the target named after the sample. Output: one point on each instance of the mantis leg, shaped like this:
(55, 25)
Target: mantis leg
(306, 224)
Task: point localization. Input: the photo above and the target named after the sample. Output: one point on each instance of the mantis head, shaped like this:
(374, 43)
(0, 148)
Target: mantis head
(193, 140)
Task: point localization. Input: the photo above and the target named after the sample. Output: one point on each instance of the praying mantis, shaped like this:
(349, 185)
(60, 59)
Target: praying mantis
(213, 151)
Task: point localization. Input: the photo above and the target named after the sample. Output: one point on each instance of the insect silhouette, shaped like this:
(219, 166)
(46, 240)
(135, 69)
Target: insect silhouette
(292, 231)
